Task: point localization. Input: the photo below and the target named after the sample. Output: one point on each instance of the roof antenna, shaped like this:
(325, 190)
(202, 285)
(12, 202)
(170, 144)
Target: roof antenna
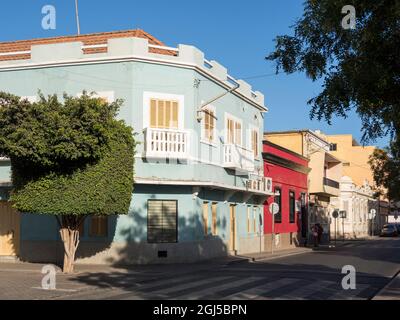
(77, 17)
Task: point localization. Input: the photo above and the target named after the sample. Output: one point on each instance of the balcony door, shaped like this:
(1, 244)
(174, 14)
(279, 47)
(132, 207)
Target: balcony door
(164, 114)
(234, 131)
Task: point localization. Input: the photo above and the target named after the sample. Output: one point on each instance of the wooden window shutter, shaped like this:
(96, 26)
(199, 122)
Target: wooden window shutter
(168, 114)
(211, 125)
(205, 217)
(98, 226)
(175, 112)
(214, 218)
(153, 113)
(254, 142)
(82, 229)
(238, 133)
(230, 132)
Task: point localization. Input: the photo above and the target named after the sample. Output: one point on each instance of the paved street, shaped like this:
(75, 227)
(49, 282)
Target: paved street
(313, 275)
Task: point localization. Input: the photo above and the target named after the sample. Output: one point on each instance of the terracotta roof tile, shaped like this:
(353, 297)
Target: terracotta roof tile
(86, 39)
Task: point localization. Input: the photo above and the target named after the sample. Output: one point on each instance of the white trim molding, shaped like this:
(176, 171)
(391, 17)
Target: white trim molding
(210, 184)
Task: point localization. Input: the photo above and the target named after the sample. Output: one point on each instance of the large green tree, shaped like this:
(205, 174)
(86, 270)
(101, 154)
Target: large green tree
(69, 159)
(385, 165)
(360, 67)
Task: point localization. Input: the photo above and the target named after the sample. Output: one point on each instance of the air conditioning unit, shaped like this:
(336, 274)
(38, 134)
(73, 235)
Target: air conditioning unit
(268, 185)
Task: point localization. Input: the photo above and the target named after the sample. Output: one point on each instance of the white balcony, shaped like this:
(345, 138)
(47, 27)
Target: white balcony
(238, 158)
(166, 143)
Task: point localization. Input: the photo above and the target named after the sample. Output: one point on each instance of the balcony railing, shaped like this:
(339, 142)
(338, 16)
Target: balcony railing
(166, 143)
(238, 158)
(331, 183)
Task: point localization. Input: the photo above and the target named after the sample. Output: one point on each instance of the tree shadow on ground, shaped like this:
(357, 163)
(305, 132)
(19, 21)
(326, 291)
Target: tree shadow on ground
(177, 281)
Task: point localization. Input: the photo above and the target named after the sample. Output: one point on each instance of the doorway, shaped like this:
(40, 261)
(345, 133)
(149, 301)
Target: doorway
(232, 242)
(9, 230)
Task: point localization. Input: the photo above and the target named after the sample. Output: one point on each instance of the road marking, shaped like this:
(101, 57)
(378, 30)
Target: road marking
(191, 284)
(256, 292)
(232, 284)
(61, 290)
(306, 290)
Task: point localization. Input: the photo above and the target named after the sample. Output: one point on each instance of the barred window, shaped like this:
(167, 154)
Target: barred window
(162, 216)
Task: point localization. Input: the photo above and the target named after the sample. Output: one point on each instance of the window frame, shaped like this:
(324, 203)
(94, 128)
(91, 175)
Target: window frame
(292, 206)
(176, 222)
(206, 112)
(278, 216)
(256, 152)
(235, 120)
(148, 96)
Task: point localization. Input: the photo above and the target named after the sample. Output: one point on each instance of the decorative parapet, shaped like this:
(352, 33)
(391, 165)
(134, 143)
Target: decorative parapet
(121, 49)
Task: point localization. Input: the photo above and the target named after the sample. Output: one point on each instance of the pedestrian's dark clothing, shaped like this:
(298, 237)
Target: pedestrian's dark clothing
(320, 232)
(314, 231)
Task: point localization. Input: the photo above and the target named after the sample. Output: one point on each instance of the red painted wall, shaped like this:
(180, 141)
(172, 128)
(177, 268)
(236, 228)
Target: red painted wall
(287, 180)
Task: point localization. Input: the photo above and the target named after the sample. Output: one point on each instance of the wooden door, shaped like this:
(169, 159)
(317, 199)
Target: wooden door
(9, 230)
(232, 241)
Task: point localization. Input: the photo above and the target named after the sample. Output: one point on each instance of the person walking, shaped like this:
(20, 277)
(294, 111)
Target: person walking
(314, 232)
(320, 232)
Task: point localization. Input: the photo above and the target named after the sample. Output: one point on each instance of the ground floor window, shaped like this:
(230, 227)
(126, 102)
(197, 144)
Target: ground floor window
(278, 200)
(292, 207)
(162, 216)
(98, 226)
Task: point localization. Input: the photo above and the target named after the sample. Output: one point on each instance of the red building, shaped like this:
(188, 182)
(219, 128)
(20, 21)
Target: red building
(289, 173)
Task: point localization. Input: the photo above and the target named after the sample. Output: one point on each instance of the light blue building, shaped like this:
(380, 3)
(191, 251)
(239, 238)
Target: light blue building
(199, 181)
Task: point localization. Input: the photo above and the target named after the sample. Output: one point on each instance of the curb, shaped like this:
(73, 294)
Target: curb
(244, 259)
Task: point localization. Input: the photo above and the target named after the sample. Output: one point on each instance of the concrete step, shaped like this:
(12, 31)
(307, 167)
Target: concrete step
(11, 259)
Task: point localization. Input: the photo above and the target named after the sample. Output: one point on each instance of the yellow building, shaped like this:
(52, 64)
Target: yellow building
(353, 156)
(325, 174)
(355, 159)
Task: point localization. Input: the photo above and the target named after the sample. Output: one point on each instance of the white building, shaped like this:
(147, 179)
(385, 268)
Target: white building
(357, 202)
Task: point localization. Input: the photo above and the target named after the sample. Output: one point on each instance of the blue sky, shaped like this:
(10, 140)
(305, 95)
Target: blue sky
(238, 34)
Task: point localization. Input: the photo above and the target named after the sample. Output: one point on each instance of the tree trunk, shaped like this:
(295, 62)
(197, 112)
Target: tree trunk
(69, 231)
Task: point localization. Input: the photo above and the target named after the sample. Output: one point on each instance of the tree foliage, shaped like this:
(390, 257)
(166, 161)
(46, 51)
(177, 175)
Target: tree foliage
(70, 159)
(385, 165)
(360, 67)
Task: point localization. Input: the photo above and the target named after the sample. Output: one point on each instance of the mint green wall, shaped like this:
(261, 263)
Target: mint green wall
(5, 172)
(129, 80)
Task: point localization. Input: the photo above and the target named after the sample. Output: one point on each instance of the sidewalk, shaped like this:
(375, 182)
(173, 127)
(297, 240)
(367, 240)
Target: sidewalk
(391, 291)
(263, 256)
